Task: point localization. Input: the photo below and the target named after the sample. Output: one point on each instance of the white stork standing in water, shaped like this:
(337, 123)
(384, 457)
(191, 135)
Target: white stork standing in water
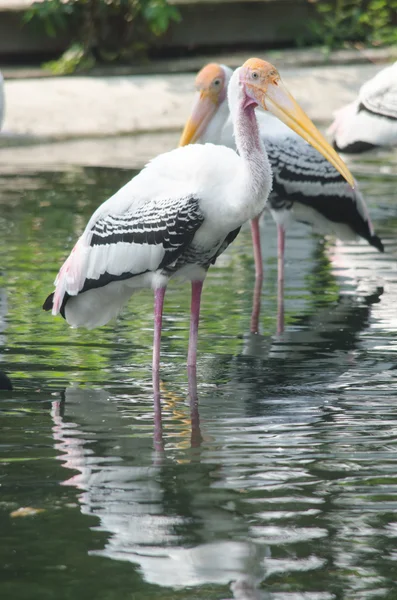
(179, 213)
(371, 120)
(306, 187)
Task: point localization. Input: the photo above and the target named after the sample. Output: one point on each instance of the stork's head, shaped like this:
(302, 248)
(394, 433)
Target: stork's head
(211, 82)
(211, 91)
(262, 86)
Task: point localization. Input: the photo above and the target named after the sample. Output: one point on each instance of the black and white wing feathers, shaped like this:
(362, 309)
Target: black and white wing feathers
(117, 247)
(319, 195)
(147, 239)
(299, 169)
(167, 227)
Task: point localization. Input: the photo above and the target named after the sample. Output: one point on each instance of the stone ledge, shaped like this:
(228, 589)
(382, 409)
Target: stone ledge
(77, 107)
(286, 58)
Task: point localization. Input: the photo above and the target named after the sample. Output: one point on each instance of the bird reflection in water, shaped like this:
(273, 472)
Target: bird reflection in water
(177, 513)
(160, 514)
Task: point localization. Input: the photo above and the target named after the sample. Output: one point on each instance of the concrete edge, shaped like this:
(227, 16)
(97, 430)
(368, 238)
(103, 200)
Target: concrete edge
(287, 57)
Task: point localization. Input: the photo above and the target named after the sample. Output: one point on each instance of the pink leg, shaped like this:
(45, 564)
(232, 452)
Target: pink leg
(158, 319)
(197, 287)
(280, 279)
(256, 303)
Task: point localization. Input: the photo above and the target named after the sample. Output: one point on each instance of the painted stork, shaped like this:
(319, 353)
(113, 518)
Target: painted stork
(179, 214)
(306, 187)
(371, 120)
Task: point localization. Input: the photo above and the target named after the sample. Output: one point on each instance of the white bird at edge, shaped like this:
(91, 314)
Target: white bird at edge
(179, 214)
(370, 121)
(306, 187)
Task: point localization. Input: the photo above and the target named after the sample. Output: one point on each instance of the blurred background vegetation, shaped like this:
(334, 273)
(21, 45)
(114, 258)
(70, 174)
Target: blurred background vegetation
(372, 22)
(104, 30)
(124, 30)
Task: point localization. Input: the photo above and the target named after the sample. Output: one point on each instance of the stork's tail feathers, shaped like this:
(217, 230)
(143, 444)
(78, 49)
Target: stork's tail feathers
(49, 303)
(93, 308)
(70, 278)
(89, 308)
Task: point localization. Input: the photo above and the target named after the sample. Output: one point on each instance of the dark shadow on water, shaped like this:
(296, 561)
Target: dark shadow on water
(5, 382)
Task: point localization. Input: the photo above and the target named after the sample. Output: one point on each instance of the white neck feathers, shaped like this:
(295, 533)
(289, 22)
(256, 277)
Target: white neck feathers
(248, 141)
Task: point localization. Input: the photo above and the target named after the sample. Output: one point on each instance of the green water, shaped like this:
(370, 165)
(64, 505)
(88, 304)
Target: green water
(277, 475)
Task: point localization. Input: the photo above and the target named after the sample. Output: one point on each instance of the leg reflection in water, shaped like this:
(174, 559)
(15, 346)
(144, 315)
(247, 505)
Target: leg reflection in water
(159, 389)
(158, 423)
(171, 513)
(195, 438)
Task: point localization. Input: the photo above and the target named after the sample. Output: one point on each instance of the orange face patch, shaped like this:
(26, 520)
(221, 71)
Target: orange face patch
(258, 64)
(265, 68)
(207, 75)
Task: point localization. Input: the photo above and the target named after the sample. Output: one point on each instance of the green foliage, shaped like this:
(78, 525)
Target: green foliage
(53, 15)
(159, 14)
(339, 21)
(380, 19)
(103, 30)
(74, 59)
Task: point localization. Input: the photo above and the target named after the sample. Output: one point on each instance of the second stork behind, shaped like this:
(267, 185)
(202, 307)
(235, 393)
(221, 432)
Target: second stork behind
(306, 187)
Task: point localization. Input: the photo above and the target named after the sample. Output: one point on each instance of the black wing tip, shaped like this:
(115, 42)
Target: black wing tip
(49, 302)
(377, 243)
(356, 147)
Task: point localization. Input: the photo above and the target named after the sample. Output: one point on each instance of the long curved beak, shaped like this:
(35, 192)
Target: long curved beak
(203, 110)
(280, 103)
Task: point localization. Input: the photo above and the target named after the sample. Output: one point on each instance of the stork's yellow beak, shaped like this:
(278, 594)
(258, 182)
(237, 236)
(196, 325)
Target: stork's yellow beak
(203, 110)
(277, 100)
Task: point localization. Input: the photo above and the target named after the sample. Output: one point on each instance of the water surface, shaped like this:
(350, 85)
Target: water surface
(272, 478)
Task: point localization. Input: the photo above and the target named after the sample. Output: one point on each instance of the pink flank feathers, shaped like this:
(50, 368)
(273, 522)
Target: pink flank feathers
(71, 275)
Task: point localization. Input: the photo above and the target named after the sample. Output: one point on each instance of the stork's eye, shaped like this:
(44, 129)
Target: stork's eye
(217, 82)
(255, 75)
